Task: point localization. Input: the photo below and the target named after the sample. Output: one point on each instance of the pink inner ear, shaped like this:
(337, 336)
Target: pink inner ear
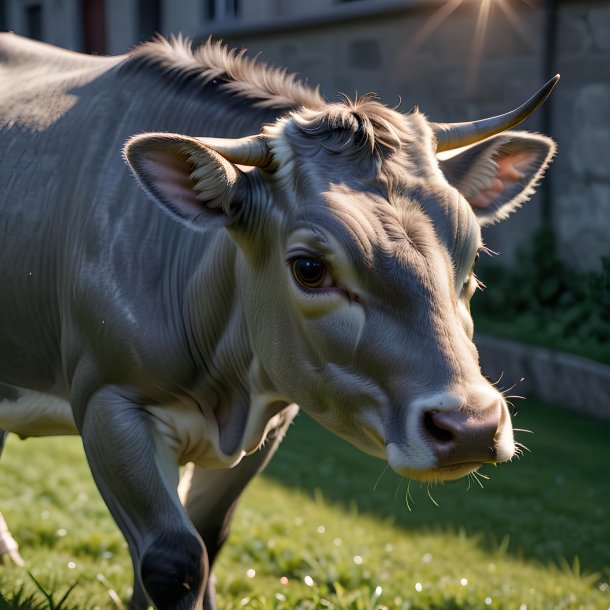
(511, 169)
(170, 175)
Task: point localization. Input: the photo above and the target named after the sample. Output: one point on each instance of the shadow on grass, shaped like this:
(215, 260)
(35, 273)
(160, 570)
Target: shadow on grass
(553, 504)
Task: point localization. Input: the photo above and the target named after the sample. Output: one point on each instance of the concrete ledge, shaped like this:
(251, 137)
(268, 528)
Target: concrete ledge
(555, 378)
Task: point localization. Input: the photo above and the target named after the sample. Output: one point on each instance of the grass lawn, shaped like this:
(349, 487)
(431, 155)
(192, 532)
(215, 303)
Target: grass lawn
(328, 527)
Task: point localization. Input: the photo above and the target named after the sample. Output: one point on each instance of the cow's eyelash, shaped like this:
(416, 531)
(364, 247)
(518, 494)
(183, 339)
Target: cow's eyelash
(478, 283)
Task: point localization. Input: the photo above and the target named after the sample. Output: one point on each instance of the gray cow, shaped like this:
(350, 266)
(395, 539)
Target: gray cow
(303, 252)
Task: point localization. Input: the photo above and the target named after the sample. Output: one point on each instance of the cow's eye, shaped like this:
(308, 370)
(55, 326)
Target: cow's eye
(471, 274)
(309, 272)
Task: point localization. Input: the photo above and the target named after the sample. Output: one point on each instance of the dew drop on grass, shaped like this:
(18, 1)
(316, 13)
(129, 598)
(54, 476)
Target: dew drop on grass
(308, 580)
(418, 587)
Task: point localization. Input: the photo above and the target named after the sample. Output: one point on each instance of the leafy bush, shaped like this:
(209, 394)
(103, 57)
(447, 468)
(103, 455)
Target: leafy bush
(541, 300)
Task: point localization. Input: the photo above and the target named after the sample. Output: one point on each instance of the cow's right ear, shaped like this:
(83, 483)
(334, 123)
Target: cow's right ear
(499, 174)
(185, 177)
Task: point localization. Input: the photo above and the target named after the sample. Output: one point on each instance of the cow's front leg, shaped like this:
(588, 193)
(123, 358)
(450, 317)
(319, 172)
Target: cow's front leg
(210, 496)
(137, 476)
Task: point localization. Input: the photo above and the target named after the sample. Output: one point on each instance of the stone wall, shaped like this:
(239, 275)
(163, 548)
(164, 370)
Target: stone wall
(581, 178)
(558, 379)
(386, 50)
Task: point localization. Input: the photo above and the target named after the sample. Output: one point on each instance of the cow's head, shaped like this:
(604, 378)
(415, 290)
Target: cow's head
(358, 252)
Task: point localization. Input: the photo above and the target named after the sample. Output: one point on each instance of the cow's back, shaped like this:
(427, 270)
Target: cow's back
(38, 85)
(86, 261)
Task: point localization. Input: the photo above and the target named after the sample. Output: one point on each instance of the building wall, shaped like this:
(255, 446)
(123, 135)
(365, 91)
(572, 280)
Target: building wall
(405, 52)
(581, 177)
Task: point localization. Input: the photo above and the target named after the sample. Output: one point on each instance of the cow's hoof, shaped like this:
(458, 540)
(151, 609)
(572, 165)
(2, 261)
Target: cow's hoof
(10, 556)
(9, 549)
(174, 571)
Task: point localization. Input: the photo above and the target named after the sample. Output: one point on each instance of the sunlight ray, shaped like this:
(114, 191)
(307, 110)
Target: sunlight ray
(477, 45)
(516, 22)
(435, 21)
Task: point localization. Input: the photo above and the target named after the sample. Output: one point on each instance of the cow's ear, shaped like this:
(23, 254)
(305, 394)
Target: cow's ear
(185, 177)
(501, 173)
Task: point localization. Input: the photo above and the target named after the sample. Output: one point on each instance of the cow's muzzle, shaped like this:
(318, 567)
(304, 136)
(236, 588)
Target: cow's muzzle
(459, 437)
(447, 437)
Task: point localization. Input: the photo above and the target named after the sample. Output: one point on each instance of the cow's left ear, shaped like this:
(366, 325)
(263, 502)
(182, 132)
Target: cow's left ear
(186, 177)
(499, 174)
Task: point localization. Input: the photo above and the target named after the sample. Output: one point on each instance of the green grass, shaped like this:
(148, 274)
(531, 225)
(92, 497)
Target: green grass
(328, 527)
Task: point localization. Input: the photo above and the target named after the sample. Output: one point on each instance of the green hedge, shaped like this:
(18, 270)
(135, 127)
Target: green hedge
(540, 300)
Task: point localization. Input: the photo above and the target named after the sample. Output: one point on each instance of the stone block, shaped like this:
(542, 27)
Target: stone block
(591, 137)
(583, 224)
(599, 21)
(558, 379)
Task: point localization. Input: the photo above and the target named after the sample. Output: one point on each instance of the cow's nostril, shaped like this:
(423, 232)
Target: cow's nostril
(438, 432)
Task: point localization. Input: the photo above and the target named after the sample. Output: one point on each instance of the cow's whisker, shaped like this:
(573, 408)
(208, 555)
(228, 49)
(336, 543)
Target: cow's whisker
(380, 477)
(495, 383)
(430, 496)
(400, 481)
(408, 497)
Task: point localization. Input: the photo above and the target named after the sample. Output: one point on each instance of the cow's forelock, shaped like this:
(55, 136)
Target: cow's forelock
(360, 141)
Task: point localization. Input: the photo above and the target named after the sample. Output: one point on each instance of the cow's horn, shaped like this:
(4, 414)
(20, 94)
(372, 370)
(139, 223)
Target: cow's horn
(252, 150)
(455, 135)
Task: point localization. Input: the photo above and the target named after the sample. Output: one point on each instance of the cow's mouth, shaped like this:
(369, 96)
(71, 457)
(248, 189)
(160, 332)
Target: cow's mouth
(444, 473)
